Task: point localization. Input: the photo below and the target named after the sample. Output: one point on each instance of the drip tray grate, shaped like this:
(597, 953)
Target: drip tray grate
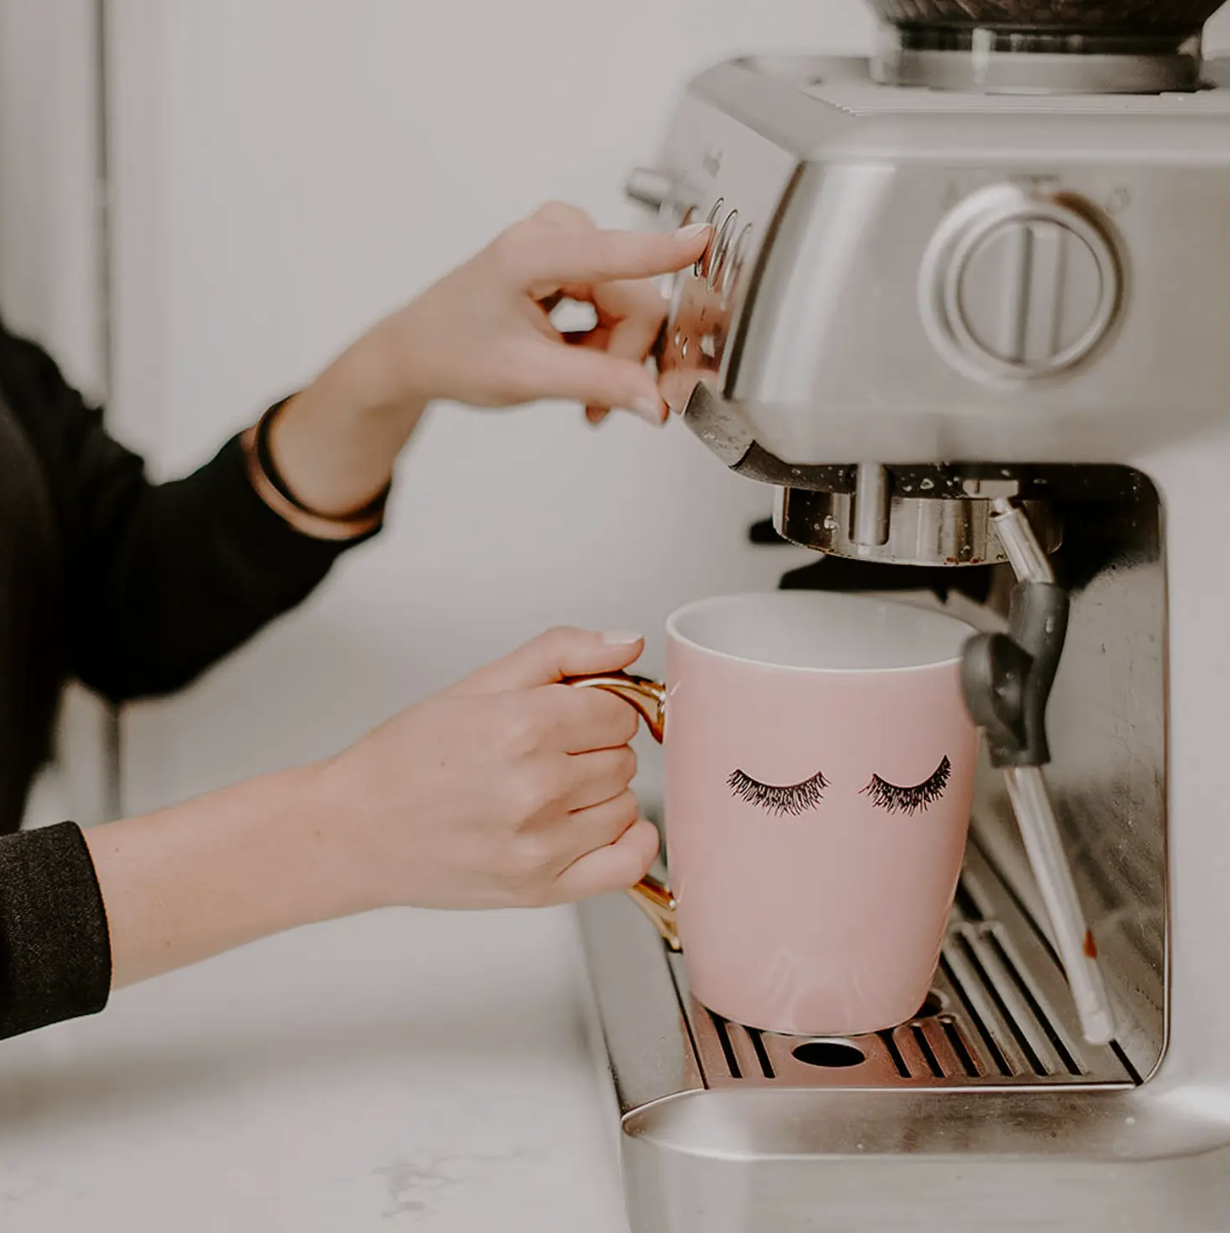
(999, 1014)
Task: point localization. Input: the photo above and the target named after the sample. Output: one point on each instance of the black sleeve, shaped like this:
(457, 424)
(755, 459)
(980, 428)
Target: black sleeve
(55, 951)
(163, 580)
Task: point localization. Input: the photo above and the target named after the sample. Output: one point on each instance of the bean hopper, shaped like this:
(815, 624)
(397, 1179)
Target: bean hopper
(965, 309)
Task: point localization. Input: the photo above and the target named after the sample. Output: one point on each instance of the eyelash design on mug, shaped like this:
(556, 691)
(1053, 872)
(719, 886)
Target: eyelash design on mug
(909, 801)
(792, 799)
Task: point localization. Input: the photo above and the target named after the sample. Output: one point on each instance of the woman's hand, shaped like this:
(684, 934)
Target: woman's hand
(507, 790)
(482, 335)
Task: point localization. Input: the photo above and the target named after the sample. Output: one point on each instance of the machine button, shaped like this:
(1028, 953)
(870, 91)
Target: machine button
(1020, 287)
(734, 266)
(721, 250)
(701, 268)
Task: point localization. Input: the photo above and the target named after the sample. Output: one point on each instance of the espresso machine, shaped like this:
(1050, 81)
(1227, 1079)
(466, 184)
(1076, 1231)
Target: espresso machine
(966, 308)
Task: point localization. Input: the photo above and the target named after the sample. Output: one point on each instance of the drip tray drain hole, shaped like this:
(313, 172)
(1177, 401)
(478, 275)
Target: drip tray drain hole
(830, 1053)
(932, 1005)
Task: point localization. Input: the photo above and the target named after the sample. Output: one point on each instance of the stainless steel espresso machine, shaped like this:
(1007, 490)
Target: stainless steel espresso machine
(967, 308)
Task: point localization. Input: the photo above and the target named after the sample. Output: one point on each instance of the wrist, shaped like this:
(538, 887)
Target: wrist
(271, 486)
(381, 378)
(335, 443)
(320, 829)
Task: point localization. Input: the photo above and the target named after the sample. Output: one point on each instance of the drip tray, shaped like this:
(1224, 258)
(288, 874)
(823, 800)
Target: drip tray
(986, 1111)
(999, 1013)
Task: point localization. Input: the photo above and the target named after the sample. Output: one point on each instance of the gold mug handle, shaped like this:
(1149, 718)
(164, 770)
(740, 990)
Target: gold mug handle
(648, 697)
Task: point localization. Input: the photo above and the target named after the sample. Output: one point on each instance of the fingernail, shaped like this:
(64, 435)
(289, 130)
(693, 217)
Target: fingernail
(693, 231)
(650, 409)
(620, 638)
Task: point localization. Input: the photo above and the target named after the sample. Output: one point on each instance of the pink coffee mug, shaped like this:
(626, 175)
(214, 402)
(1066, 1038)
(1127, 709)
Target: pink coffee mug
(819, 770)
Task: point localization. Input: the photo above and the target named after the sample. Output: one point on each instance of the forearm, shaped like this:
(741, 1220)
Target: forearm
(197, 879)
(169, 580)
(335, 442)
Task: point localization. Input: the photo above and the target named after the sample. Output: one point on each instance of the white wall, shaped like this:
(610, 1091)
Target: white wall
(286, 171)
(51, 279)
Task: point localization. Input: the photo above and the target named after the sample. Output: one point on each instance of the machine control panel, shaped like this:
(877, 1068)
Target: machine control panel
(1019, 284)
(702, 300)
(712, 168)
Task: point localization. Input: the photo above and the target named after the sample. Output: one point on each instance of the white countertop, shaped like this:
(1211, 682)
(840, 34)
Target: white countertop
(402, 1071)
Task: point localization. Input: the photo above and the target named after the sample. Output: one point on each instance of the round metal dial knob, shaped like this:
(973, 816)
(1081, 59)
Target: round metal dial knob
(1016, 286)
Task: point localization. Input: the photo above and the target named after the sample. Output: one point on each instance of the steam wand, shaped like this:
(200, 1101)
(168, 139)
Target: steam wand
(1007, 681)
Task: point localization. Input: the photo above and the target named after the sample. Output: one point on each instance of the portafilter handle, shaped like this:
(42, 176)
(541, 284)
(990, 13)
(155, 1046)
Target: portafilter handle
(1007, 681)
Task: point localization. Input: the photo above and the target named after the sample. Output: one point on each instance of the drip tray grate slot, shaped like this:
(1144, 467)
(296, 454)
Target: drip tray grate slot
(999, 1015)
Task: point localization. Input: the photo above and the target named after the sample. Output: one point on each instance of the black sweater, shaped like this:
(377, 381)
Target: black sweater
(131, 587)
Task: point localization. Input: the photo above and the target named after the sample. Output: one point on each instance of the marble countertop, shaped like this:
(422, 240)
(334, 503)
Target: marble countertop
(406, 1070)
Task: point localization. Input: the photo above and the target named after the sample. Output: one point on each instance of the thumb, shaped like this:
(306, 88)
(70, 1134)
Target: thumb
(562, 652)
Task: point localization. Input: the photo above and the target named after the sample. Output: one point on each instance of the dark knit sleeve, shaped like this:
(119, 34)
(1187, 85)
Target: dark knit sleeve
(55, 951)
(164, 580)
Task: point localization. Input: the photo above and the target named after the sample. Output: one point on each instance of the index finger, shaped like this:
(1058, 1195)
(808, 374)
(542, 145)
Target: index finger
(556, 255)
